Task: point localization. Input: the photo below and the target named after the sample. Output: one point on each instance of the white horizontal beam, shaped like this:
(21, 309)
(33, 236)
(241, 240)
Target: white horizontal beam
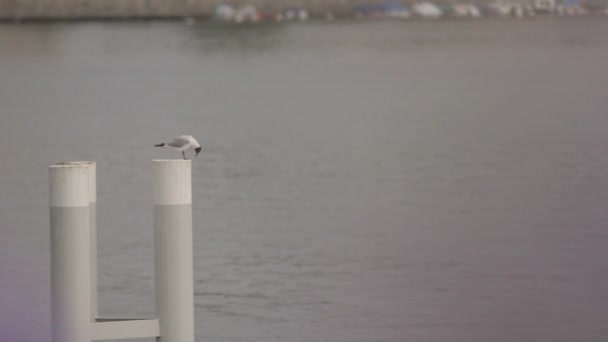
(107, 329)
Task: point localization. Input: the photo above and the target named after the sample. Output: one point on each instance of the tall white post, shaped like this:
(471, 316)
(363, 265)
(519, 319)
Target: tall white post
(173, 249)
(92, 166)
(70, 253)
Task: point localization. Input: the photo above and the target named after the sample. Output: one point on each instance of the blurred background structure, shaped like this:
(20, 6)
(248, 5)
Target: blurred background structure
(150, 9)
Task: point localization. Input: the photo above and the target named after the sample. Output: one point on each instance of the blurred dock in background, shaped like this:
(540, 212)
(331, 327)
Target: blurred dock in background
(149, 9)
(17, 10)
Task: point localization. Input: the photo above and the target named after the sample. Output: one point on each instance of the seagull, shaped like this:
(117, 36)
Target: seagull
(182, 143)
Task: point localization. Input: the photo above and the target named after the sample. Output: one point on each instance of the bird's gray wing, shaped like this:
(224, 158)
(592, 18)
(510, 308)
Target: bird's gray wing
(178, 142)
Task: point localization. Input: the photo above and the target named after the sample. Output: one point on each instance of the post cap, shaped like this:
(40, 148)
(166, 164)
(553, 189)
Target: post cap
(172, 182)
(69, 185)
(92, 176)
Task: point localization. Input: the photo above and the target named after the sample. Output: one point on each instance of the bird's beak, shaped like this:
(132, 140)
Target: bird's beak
(198, 150)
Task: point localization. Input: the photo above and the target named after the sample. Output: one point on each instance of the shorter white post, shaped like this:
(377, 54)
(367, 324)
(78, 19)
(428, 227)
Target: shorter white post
(173, 250)
(70, 253)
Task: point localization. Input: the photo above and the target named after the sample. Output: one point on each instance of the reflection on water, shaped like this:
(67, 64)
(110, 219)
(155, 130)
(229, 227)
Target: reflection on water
(219, 38)
(360, 181)
(30, 42)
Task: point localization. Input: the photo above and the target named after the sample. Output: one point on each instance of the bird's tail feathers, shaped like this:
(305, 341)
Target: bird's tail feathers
(159, 145)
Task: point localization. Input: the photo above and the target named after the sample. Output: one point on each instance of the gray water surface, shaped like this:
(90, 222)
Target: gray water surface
(359, 182)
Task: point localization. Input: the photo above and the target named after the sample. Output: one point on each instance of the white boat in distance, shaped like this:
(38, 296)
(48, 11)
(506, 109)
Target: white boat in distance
(427, 10)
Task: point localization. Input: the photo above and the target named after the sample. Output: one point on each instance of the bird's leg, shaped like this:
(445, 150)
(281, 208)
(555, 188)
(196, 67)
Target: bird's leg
(184, 155)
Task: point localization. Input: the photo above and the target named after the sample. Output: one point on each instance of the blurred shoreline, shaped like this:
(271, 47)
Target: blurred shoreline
(96, 10)
(150, 9)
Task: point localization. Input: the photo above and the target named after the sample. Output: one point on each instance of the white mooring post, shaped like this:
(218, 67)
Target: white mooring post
(92, 167)
(70, 253)
(173, 249)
